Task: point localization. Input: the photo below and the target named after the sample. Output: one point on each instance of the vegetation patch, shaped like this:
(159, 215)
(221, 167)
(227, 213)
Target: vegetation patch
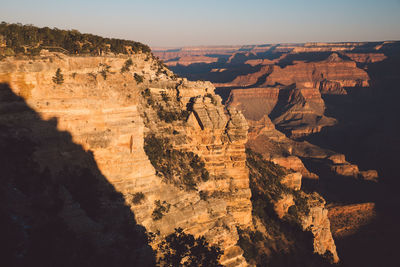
(58, 78)
(249, 242)
(266, 177)
(138, 78)
(160, 210)
(275, 246)
(181, 249)
(28, 39)
(162, 113)
(137, 198)
(181, 168)
(105, 70)
(127, 65)
(170, 116)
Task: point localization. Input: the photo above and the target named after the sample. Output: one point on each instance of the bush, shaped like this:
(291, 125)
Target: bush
(127, 65)
(58, 78)
(164, 97)
(266, 176)
(137, 198)
(146, 93)
(170, 116)
(178, 167)
(138, 78)
(105, 70)
(181, 249)
(160, 210)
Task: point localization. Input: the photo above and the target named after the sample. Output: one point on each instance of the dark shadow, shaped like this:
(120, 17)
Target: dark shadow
(203, 71)
(56, 207)
(307, 57)
(367, 133)
(339, 189)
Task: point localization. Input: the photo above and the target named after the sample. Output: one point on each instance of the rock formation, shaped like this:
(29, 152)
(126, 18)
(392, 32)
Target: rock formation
(282, 188)
(278, 87)
(296, 111)
(332, 69)
(347, 219)
(205, 190)
(108, 115)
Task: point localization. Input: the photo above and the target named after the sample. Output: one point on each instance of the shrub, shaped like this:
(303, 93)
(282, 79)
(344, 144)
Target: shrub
(126, 67)
(105, 70)
(178, 167)
(138, 78)
(181, 249)
(160, 210)
(146, 93)
(164, 97)
(137, 198)
(58, 78)
(248, 244)
(93, 75)
(169, 116)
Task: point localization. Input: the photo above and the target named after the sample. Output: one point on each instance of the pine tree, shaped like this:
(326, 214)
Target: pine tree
(58, 78)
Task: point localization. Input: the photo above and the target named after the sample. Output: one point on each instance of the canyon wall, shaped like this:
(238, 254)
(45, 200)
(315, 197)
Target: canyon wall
(103, 110)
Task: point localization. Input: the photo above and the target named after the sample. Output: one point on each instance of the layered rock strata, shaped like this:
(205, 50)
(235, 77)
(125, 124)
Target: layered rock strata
(104, 111)
(311, 74)
(299, 112)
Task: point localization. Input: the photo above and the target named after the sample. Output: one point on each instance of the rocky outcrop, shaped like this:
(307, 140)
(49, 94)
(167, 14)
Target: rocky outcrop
(251, 79)
(311, 74)
(305, 210)
(302, 113)
(292, 180)
(188, 60)
(366, 57)
(254, 103)
(106, 113)
(298, 112)
(318, 222)
(293, 163)
(347, 219)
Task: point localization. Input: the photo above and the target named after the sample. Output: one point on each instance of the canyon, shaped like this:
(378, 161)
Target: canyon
(285, 157)
(131, 153)
(327, 111)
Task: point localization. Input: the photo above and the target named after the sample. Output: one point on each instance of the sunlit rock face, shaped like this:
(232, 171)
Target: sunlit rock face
(105, 112)
(311, 74)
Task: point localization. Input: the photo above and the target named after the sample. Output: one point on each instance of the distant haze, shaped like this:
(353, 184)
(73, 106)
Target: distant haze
(215, 22)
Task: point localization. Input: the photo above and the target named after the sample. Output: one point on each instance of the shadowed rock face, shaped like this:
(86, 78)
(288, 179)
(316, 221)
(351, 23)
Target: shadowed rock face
(53, 192)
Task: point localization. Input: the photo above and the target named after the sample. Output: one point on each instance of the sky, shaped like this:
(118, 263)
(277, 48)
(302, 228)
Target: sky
(177, 23)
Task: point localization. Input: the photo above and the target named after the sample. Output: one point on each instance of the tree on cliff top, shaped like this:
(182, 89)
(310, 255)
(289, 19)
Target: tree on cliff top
(17, 37)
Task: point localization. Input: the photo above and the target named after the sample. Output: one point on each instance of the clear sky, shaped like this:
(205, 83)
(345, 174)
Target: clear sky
(215, 22)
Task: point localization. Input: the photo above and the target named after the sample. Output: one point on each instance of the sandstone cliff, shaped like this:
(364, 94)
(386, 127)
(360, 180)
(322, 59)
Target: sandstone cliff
(173, 153)
(296, 111)
(282, 189)
(107, 114)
